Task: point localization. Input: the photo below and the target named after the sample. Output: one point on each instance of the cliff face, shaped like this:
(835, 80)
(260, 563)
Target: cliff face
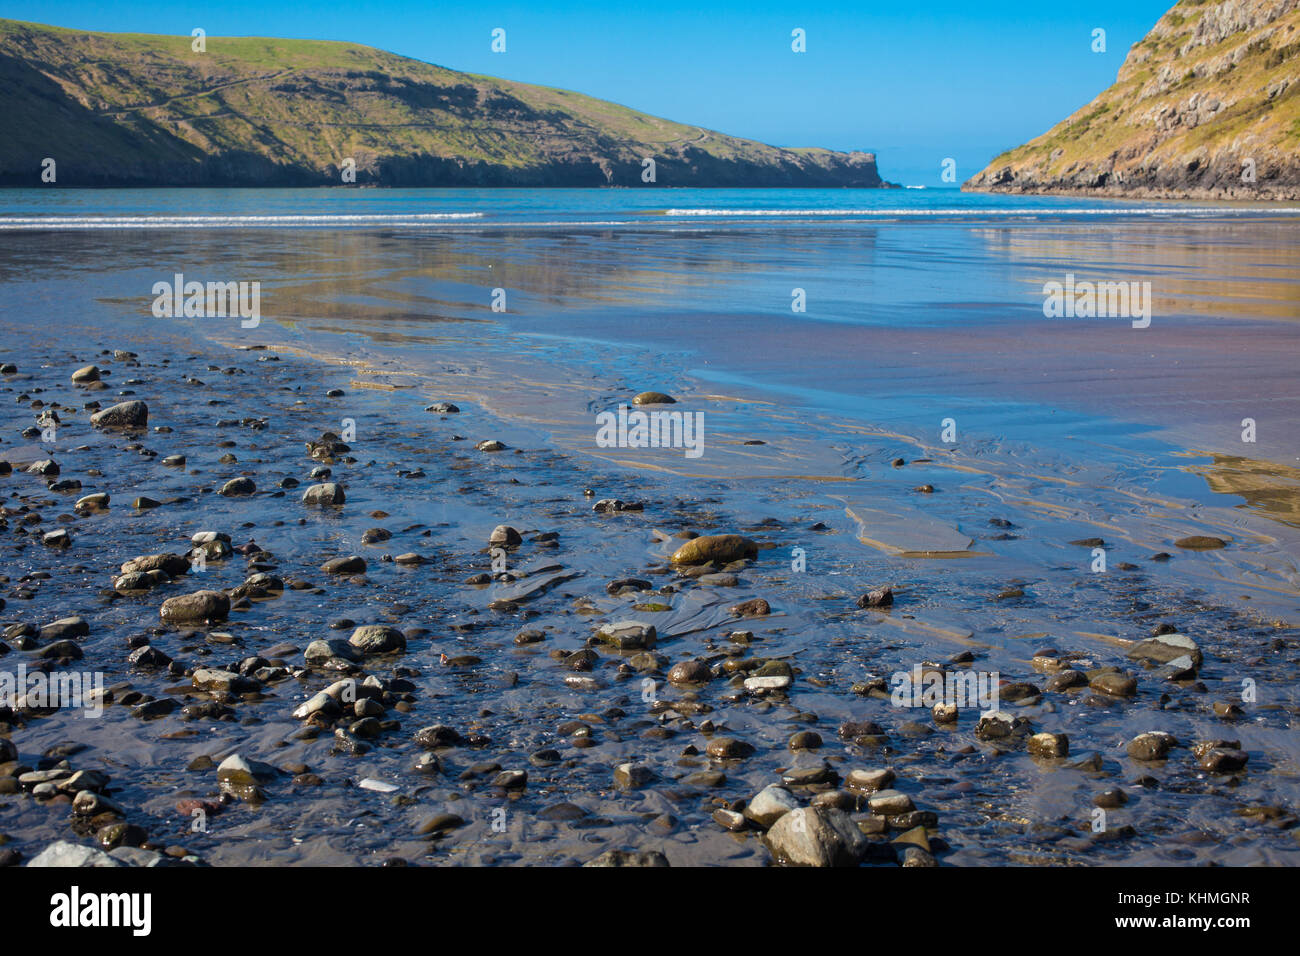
(121, 109)
(1206, 103)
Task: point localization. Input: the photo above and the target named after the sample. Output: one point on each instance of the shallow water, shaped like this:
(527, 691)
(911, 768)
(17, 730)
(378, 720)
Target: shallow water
(1068, 429)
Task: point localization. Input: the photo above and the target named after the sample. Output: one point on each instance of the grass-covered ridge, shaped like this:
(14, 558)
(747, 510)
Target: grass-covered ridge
(146, 109)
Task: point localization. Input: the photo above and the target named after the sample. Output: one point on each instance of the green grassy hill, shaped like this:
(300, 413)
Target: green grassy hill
(1210, 93)
(135, 109)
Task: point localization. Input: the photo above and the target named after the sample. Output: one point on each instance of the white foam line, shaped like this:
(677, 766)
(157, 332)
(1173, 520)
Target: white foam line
(197, 222)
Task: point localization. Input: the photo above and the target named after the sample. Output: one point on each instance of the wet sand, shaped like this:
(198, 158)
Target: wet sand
(535, 707)
(991, 570)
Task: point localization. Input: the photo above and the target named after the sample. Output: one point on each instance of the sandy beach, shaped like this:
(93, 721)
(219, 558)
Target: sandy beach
(455, 653)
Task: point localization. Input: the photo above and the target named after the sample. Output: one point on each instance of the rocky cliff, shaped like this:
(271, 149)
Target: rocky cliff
(1206, 106)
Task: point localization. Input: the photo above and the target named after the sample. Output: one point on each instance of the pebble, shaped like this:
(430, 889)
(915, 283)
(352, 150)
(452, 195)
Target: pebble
(327, 494)
(881, 597)
(690, 672)
(654, 398)
(196, 608)
(722, 548)
(632, 776)
(769, 805)
(729, 748)
(1151, 746)
(133, 414)
(378, 639)
(816, 836)
(889, 803)
(238, 488)
(1049, 745)
(869, 780)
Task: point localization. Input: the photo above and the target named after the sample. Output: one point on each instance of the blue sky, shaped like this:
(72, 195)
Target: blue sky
(916, 82)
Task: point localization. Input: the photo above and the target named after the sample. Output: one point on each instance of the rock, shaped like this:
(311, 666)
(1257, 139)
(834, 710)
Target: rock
(729, 819)
(762, 685)
(243, 778)
(173, 565)
(1179, 669)
(490, 444)
(1220, 756)
(998, 724)
(442, 408)
(437, 736)
(755, 607)
(690, 672)
(119, 834)
(619, 585)
(196, 608)
(881, 597)
(511, 780)
(889, 803)
(1065, 679)
(349, 565)
(1049, 745)
(1116, 685)
(770, 804)
(853, 729)
(915, 856)
(57, 539)
(722, 548)
(122, 415)
(1165, 648)
(92, 503)
(805, 740)
(1201, 542)
(378, 639)
(944, 713)
(238, 488)
(83, 781)
(632, 776)
(89, 373)
(869, 781)
(1151, 746)
(1110, 799)
(504, 536)
(321, 651)
(65, 628)
(324, 495)
(816, 836)
(729, 748)
(654, 398)
(439, 823)
(64, 854)
(321, 703)
(627, 635)
(629, 858)
(207, 678)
